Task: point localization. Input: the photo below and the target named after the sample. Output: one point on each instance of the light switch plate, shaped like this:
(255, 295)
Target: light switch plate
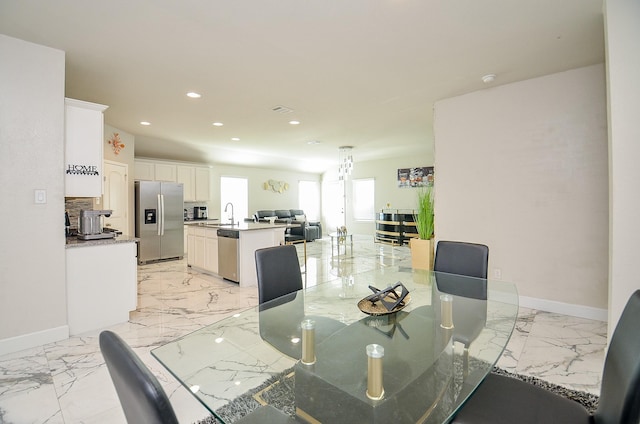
(40, 196)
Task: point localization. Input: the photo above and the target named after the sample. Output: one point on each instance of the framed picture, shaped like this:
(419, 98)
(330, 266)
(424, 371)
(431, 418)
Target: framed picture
(415, 177)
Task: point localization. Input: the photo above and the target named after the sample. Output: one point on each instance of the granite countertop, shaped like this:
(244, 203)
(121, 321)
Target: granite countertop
(246, 226)
(200, 221)
(73, 242)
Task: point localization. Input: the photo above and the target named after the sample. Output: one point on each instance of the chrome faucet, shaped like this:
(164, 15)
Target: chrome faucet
(225, 209)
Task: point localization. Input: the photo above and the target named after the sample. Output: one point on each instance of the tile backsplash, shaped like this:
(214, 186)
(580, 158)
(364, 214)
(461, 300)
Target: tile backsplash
(73, 206)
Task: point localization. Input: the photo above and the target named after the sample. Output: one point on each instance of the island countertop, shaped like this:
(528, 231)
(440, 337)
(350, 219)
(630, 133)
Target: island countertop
(73, 242)
(246, 226)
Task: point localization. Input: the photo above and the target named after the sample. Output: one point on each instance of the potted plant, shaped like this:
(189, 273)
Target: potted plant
(422, 247)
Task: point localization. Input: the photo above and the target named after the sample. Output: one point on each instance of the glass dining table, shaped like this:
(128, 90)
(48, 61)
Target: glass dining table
(309, 349)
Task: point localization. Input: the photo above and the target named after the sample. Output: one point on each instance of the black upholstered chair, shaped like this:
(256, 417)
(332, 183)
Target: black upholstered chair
(501, 400)
(310, 230)
(456, 257)
(142, 398)
(261, 215)
(279, 283)
(278, 272)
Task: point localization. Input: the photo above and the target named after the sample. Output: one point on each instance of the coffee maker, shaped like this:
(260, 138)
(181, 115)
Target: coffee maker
(200, 212)
(90, 225)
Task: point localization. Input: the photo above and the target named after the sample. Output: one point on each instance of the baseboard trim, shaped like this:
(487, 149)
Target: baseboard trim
(579, 311)
(35, 339)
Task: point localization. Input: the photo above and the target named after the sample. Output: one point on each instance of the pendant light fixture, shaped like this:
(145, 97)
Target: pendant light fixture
(345, 165)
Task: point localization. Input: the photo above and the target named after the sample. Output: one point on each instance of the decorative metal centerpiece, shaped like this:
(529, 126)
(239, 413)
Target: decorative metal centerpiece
(385, 301)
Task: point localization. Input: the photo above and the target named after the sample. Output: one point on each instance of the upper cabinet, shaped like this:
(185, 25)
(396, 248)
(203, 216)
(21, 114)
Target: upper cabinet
(195, 179)
(147, 170)
(144, 171)
(187, 176)
(83, 149)
(166, 172)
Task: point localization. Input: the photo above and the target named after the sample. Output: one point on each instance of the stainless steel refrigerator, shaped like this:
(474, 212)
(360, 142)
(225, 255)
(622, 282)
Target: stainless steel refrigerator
(159, 220)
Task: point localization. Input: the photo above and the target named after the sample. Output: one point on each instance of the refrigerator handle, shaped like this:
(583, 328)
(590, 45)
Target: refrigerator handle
(159, 218)
(162, 216)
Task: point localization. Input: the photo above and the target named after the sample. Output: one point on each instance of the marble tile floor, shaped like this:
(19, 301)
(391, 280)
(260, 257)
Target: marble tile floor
(67, 381)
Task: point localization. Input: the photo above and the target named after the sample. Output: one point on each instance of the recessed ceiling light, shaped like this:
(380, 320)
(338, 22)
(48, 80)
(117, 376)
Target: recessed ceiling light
(193, 95)
(487, 79)
(314, 142)
(145, 123)
(294, 122)
(235, 139)
(218, 124)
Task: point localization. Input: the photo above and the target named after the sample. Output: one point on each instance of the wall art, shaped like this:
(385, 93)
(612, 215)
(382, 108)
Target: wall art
(416, 177)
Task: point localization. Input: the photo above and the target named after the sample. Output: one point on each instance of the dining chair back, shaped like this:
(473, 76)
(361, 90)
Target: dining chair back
(620, 388)
(500, 399)
(456, 257)
(142, 398)
(278, 272)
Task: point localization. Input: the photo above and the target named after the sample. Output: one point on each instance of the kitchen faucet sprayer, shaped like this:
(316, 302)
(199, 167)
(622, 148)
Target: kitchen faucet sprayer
(225, 209)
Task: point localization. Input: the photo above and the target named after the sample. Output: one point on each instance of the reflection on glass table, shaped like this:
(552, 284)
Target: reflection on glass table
(423, 376)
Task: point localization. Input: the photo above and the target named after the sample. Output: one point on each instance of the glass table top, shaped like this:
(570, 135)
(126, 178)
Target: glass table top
(437, 349)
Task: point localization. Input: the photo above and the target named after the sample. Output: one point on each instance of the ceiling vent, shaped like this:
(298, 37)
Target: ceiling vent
(282, 109)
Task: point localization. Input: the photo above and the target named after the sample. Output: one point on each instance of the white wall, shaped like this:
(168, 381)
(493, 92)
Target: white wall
(32, 264)
(622, 22)
(523, 168)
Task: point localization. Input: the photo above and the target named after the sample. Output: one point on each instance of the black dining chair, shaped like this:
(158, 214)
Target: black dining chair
(142, 397)
(278, 272)
(502, 400)
(454, 259)
(282, 304)
(457, 257)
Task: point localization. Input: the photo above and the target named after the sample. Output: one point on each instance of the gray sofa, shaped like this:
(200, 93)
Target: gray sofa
(310, 230)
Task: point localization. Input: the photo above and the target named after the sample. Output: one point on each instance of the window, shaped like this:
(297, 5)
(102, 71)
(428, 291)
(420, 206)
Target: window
(309, 199)
(235, 191)
(363, 199)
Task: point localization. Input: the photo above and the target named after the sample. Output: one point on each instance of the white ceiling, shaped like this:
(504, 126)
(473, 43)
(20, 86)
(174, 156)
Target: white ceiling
(355, 72)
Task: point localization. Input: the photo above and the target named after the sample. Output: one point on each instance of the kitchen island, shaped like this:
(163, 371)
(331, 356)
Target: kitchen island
(102, 282)
(203, 247)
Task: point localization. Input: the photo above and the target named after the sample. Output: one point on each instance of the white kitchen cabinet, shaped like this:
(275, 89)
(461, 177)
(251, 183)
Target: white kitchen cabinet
(199, 252)
(144, 171)
(202, 184)
(166, 172)
(211, 250)
(195, 246)
(83, 150)
(196, 180)
(97, 295)
(186, 241)
(191, 247)
(202, 248)
(187, 176)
